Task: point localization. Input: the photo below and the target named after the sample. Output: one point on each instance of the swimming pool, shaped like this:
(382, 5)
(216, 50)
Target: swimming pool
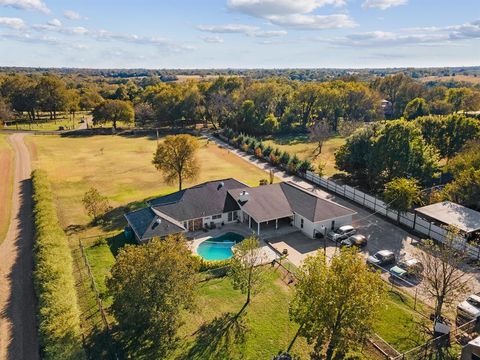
(219, 248)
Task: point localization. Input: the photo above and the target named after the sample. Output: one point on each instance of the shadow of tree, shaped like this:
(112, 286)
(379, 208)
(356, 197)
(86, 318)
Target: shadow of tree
(114, 220)
(216, 339)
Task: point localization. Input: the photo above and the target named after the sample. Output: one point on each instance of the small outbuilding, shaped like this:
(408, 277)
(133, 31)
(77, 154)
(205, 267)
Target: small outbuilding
(447, 213)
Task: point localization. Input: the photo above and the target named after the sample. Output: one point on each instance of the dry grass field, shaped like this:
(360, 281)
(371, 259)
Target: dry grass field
(6, 184)
(121, 169)
(459, 78)
(301, 146)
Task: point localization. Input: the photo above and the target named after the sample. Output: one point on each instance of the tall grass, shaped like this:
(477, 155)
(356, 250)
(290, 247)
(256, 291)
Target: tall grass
(58, 313)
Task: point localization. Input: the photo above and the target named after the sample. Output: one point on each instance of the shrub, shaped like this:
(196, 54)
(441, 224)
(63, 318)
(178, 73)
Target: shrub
(253, 145)
(58, 313)
(245, 147)
(263, 182)
(259, 153)
(305, 166)
(267, 151)
(293, 164)
(285, 158)
(239, 139)
(274, 160)
(206, 265)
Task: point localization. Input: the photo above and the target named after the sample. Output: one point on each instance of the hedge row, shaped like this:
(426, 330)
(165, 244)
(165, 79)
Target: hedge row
(58, 312)
(274, 156)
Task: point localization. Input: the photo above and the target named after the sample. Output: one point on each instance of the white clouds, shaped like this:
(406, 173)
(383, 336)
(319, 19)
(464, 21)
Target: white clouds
(72, 15)
(314, 22)
(431, 36)
(294, 13)
(228, 28)
(212, 39)
(383, 4)
(266, 8)
(11, 22)
(55, 23)
(37, 5)
(249, 30)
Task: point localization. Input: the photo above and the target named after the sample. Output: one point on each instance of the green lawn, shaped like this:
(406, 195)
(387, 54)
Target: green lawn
(301, 146)
(49, 125)
(268, 328)
(120, 168)
(399, 324)
(6, 184)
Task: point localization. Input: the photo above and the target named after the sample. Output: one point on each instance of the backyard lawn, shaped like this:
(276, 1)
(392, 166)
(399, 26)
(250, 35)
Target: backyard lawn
(301, 146)
(266, 321)
(121, 169)
(6, 184)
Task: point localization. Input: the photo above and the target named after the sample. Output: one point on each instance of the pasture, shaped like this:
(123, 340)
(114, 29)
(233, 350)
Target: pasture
(300, 145)
(120, 168)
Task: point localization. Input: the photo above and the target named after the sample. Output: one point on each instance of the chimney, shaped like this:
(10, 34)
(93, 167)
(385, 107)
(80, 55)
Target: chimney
(244, 196)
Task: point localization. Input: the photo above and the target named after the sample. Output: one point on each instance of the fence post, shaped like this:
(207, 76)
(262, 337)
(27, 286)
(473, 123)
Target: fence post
(429, 228)
(354, 193)
(344, 190)
(375, 204)
(364, 196)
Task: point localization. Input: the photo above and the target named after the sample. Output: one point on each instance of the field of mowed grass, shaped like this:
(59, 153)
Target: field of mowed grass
(300, 145)
(6, 184)
(120, 168)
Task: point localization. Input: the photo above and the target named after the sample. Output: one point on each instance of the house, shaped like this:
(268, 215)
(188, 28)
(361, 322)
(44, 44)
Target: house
(220, 202)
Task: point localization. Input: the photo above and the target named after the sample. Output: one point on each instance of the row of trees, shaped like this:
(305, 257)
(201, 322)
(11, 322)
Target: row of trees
(251, 106)
(377, 154)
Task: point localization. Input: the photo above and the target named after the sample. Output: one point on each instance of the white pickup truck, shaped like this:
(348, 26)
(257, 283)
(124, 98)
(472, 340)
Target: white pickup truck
(469, 309)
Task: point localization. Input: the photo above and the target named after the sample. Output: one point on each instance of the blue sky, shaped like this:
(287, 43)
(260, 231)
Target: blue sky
(239, 33)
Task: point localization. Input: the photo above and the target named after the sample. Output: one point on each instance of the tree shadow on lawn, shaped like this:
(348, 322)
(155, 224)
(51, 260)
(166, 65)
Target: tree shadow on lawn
(219, 338)
(294, 139)
(114, 219)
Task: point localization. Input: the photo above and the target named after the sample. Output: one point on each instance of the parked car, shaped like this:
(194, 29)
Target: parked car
(381, 258)
(412, 267)
(341, 233)
(354, 240)
(469, 309)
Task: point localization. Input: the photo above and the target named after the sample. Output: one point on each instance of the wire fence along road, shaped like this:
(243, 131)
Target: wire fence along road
(408, 219)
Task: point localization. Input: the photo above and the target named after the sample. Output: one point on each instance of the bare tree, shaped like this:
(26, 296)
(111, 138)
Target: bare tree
(443, 278)
(320, 132)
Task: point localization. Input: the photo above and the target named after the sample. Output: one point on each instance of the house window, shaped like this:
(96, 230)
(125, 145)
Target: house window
(235, 215)
(215, 217)
(230, 216)
(185, 225)
(301, 223)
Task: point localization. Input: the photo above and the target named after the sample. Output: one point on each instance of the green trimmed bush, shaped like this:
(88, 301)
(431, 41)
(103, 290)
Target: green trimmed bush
(58, 313)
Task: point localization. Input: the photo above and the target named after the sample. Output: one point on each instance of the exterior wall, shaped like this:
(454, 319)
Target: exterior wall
(340, 221)
(308, 226)
(224, 219)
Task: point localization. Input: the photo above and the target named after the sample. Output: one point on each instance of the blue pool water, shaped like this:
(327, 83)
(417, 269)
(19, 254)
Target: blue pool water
(219, 248)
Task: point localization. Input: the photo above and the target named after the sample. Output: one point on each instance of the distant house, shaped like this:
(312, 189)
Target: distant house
(387, 107)
(226, 201)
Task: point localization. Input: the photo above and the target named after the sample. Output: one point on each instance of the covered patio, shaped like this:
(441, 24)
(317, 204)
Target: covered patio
(263, 225)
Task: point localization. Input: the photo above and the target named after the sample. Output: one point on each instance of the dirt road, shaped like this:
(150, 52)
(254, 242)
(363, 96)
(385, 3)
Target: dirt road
(18, 333)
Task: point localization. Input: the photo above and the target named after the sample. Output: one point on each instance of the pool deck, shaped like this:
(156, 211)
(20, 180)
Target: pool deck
(268, 254)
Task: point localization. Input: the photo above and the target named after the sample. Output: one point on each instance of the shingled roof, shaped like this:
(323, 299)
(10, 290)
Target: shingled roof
(275, 201)
(206, 199)
(148, 223)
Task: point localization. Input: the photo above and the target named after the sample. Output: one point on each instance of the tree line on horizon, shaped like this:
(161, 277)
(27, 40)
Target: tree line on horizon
(255, 107)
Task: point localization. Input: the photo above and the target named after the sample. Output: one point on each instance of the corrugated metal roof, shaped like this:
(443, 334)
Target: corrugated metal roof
(449, 213)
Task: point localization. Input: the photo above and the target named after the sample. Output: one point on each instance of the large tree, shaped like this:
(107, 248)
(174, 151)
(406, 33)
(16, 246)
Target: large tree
(443, 277)
(337, 304)
(114, 111)
(151, 285)
(465, 188)
(415, 108)
(176, 158)
(245, 271)
(52, 94)
(401, 195)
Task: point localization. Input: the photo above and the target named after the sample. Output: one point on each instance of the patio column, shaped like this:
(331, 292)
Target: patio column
(276, 224)
(258, 228)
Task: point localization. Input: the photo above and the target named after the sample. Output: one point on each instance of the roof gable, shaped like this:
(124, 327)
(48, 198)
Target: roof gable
(206, 199)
